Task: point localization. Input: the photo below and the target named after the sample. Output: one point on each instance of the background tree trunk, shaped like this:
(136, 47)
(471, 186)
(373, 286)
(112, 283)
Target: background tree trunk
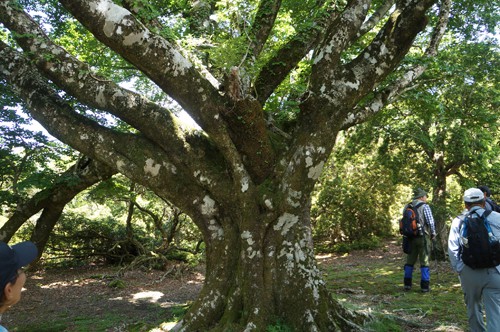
(80, 176)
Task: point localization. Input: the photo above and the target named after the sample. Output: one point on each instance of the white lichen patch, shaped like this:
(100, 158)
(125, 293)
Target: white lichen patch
(133, 38)
(100, 97)
(350, 118)
(353, 85)
(202, 178)
(289, 263)
(253, 253)
(119, 165)
(250, 327)
(309, 316)
(151, 167)
(293, 198)
(370, 59)
(179, 64)
(208, 206)
(217, 231)
(286, 222)
(112, 13)
(246, 235)
(309, 161)
(117, 94)
(269, 204)
(377, 106)
(299, 254)
(383, 49)
(84, 137)
(170, 167)
(244, 184)
(315, 171)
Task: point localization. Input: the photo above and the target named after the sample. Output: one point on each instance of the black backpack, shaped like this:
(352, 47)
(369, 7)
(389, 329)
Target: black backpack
(478, 250)
(494, 206)
(409, 225)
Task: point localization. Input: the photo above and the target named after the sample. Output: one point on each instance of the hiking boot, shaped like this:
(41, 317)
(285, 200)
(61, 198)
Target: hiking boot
(424, 286)
(407, 284)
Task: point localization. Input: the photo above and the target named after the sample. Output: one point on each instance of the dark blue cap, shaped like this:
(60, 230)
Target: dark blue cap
(12, 258)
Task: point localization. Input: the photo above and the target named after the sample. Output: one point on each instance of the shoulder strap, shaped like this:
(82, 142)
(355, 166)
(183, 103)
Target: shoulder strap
(419, 204)
(420, 219)
(462, 218)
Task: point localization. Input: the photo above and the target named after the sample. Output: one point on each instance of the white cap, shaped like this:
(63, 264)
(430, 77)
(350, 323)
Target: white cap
(473, 195)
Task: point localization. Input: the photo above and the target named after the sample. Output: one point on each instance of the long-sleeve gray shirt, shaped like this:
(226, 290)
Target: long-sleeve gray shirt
(454, 238)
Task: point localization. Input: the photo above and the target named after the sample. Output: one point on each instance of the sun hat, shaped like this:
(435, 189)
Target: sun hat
(473, 195)
(12, 258)
(419, 192)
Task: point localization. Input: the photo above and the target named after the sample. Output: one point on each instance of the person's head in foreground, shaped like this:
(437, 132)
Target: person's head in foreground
(12, 277)
(472, 197)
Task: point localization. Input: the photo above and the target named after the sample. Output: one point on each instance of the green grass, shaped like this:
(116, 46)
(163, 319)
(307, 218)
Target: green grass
(378, 288)
(103, 323)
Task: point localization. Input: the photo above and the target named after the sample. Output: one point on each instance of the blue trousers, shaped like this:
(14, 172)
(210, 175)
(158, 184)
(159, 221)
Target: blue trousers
(482, 286)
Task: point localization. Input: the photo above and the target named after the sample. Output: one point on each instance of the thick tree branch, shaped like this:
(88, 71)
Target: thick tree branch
(155, 122)
(161, 62)
(388, 95)
(287, 58)
(374, 63)
(76, 78)
(376, 17)
(117, 28)
(339, 35)
(80, 176)
(262, 26)
(132, 155)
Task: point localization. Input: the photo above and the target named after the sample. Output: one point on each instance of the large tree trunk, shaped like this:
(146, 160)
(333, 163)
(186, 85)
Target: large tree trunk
(260, 271)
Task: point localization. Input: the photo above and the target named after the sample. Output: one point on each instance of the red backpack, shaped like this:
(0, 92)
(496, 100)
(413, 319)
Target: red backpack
(409, 225)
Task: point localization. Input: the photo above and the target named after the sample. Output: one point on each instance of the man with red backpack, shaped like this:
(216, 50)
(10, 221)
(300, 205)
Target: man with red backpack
(420, 242)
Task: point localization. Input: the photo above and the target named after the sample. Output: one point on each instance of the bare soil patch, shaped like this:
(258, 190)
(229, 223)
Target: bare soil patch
(95, 291)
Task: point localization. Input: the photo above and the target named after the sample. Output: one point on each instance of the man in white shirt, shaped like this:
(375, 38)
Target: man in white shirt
(481, 284)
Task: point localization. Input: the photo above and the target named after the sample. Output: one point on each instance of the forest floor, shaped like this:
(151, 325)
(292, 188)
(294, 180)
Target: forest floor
(97, 298)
